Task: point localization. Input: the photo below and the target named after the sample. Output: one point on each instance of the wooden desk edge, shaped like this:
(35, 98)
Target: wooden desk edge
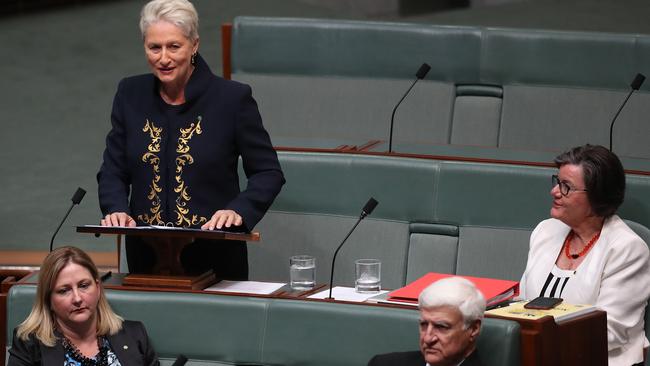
(205, 234)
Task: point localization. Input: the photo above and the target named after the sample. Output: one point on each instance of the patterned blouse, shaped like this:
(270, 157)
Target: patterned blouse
(112, 358)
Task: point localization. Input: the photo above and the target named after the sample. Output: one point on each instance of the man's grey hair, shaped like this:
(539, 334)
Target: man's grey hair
(457, 292)
(178, 12)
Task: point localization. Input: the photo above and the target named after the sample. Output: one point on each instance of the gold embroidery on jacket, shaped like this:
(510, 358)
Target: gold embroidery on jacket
(151, 157)
(183, 217)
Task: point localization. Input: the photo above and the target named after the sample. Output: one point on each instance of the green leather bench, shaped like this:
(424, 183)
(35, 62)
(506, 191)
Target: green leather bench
(512, 89)
(232, 330)
(433, 216)
(442, 216)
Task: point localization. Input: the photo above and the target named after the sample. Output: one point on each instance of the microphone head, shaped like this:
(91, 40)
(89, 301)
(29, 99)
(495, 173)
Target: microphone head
(180, 360)
(423, 71)
(369, 207)
(638, 81)
(78, 195)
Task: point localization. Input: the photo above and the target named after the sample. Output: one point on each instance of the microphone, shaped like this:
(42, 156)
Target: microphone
(180, 360)
(635, 85)
(422, 72)
(76, 198)
(367, 210)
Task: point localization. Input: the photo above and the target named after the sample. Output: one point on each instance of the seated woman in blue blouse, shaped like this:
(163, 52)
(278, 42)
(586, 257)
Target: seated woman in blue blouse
(71, 322)
(586, 254)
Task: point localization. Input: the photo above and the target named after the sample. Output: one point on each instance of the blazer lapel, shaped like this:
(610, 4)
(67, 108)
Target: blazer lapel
(52, 355)
(124, 348)
(472, 359)
(584, 287)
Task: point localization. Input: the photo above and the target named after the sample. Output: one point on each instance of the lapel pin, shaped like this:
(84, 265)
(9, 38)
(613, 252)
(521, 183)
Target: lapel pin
(125, 347)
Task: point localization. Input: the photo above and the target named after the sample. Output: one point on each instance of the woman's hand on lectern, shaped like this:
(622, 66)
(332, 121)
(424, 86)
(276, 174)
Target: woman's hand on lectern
(223, 218)
(118, 219)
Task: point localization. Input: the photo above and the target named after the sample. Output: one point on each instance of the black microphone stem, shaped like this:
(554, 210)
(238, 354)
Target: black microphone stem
(76, 199)
(61, 224)
(611, 127)
(339, 248)
(392, 117)
(634, 85)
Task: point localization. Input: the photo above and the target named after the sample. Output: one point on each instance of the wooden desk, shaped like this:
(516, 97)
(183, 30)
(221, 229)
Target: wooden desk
(580, 341)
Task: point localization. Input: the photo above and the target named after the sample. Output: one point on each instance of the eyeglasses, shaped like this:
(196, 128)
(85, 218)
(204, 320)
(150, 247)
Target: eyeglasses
(565, 188)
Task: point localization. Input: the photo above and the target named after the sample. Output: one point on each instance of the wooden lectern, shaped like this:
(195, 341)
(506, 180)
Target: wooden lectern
(168, 243)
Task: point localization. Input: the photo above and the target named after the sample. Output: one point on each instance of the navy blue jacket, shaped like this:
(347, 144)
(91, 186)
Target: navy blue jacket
(178, 164)
(415, 358)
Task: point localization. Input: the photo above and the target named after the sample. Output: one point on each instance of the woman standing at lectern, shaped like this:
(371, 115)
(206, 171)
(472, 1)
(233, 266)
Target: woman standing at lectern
(172, 153)
(586, 254)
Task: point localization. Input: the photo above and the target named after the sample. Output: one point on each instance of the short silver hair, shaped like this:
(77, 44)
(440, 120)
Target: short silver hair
(178, 12)
(457, 292)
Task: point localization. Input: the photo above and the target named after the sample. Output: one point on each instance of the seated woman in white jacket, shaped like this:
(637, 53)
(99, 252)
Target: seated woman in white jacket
(586, 254)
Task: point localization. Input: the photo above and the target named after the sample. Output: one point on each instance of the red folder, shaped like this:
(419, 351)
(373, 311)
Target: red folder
(494, 290)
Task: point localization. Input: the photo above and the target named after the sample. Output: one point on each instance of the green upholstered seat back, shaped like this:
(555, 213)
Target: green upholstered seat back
(433, 215)
(561, 89)
(477, 115)
(264, 45)
(203, 327)
(500, 335)
(363, 332)
(318, 235)
(432, 248)
(322, 107)
(560, 118)
(320, 202)
(224, 330)
(492, 252)
(320, 334)
(517, 89)
(341, 80)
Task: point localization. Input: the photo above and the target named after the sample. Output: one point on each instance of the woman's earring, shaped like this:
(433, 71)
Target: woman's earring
(192, 59)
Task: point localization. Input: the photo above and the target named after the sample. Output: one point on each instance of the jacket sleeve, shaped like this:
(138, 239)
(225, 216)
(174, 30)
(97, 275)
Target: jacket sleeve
(113, 178)
(149, 356)
(625, 288)
(24, 353)
(260, 162)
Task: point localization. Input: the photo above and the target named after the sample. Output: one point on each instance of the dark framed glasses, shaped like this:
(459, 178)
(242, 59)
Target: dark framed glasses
(565, 188)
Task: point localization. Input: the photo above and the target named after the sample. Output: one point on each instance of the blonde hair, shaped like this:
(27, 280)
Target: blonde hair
(181, 13)
(41, 321)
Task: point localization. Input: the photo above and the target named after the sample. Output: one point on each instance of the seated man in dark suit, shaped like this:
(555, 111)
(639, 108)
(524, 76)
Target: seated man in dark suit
(451, 311)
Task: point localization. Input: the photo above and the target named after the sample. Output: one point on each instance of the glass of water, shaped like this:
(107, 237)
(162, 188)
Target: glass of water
(368, 275)
(302, 272)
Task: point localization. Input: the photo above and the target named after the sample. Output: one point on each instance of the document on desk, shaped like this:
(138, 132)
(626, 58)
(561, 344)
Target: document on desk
(246, 287)
(125, 227)
(345, 294)
(561, 313)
